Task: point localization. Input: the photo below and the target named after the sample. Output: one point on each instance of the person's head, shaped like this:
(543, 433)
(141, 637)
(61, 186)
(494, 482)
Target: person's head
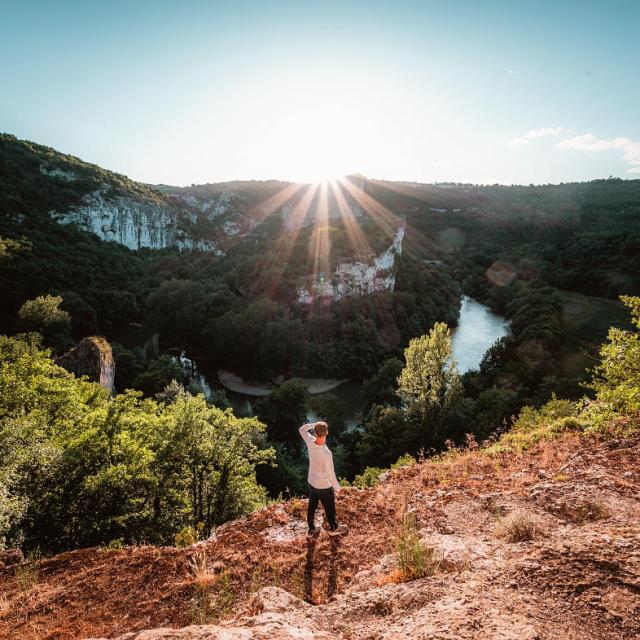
(321, 429)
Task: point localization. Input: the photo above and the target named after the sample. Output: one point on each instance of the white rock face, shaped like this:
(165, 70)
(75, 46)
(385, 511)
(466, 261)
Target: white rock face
(304, 296)
(231, 228)
(358, 278)
(133, 223)
(184, 243)
(212, 208)
(67, 176)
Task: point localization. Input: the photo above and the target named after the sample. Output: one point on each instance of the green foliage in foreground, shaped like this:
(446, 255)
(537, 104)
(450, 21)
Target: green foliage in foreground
(617, 379)
(553, 419)
(429, 383)
(79, 468)
(43, 312)
(370, 477)
(616, 408)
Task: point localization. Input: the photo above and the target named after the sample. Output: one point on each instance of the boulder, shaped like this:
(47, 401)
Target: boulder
(91, 357)
(275, 600)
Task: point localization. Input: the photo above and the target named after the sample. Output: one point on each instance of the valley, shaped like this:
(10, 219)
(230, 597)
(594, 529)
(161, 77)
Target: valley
(224, 316)
(476, 331)
(319, 320)
(274, 282)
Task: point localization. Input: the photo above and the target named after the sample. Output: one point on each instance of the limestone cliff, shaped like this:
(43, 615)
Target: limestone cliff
(133, 222)
(358, 277)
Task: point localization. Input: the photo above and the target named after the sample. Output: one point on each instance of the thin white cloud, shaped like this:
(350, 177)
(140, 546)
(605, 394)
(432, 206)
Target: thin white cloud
(536, 134)
(512, 72)
(592, 144)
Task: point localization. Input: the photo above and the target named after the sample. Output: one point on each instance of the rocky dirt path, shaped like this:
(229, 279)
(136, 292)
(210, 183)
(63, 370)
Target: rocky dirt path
(579, 577)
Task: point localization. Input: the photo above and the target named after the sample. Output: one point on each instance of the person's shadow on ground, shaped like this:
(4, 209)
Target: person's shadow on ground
(332, 573)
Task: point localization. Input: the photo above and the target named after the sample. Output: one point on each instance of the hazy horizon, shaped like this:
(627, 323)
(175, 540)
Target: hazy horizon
(202, 92)
(338, 178)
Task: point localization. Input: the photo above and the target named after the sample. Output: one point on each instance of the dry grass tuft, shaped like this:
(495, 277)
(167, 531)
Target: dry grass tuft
(199, 570)
(213, 597)
(413, 557)
(297, 507)
(27, 574)
(586, 511)
(5, 606)
(520, 525)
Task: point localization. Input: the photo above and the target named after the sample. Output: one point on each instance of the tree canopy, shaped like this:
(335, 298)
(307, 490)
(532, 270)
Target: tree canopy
(79, 467)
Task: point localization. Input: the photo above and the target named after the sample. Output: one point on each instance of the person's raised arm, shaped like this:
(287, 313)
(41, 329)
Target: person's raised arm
(305, 432)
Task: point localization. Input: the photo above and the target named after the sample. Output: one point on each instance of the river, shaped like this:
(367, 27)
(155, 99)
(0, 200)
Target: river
(478, 328)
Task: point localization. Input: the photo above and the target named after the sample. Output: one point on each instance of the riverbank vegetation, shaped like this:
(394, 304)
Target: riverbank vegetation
(613, 411)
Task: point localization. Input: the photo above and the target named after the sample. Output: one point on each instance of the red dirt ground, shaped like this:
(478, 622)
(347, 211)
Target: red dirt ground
(570, 578)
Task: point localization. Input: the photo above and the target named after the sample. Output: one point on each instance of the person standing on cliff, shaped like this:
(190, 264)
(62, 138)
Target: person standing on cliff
(323, 484)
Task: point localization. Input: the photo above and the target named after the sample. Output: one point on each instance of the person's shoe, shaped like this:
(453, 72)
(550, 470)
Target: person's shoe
(313, 533)
(341, 530)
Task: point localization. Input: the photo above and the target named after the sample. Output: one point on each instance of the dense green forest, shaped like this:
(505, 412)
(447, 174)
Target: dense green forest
(553, 259)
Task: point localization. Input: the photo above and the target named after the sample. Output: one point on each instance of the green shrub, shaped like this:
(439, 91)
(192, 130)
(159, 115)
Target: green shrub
(104, 468)
(370, 477)
(617, 378)
(406, 460)
(188, 536)
(534, 425)
(116, 543)
(568, 423)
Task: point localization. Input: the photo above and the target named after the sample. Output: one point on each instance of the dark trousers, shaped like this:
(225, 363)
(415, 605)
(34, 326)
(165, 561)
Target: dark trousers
(328, 499)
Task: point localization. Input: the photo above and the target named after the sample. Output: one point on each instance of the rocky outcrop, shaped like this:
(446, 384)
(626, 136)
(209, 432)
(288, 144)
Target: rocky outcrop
(357, 278)
(212, 207)
(272, 614)
(208, 218)
(92, 357)
(133, 222)
(56, 172)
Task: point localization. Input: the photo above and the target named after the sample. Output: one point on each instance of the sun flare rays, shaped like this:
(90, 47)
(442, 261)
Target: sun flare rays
(309, 215)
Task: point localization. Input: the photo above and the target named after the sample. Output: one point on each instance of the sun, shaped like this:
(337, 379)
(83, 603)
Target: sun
(319, 143)
(320, 175)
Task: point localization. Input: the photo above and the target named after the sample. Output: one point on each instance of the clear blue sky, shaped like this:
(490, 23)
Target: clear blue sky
(185, 92)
